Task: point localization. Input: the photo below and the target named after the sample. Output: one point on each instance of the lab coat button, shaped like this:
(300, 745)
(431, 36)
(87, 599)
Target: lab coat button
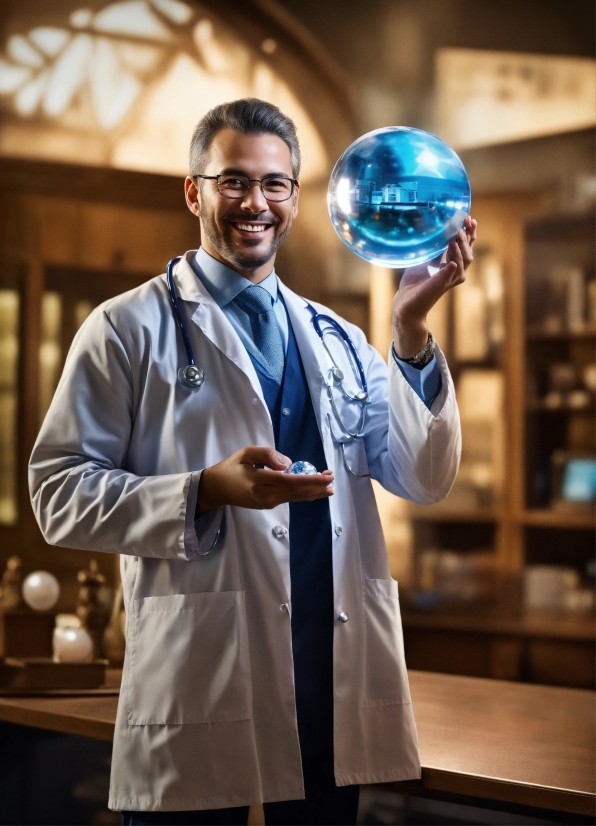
(285, 411)
(279, 531)
(255, 401)
(284, 607)
(338, 530)
(343, 617)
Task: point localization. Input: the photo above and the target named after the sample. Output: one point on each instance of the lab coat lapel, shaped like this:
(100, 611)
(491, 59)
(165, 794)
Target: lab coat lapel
(212, 322)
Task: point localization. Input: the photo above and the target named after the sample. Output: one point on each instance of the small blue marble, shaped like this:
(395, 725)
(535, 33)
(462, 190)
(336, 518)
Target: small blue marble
(302, 467)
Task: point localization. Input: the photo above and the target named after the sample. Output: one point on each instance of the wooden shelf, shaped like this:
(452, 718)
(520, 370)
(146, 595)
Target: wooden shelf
(535, 331)
(559, 518)
(535, 624)
(538, 406)
(441, 513)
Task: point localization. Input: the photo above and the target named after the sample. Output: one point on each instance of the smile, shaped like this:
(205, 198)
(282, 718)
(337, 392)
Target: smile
(252, 228)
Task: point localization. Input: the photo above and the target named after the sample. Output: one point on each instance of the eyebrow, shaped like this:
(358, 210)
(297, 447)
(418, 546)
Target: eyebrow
(232, 171)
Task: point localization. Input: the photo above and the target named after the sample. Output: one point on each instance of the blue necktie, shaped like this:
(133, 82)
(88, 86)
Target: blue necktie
(265, 329)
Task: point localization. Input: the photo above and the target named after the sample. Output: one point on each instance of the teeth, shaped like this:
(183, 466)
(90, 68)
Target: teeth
(252, 227)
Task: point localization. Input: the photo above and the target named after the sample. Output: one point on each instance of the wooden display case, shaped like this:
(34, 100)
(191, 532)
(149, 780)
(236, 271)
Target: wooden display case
(454, 621)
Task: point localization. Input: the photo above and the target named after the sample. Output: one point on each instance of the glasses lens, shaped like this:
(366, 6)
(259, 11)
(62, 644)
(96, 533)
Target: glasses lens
(233, 186)
(277, 189)
(274, 189)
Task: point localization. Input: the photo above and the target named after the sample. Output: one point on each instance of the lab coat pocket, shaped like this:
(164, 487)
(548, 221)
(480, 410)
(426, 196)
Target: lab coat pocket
(385, 680)
(189, 660)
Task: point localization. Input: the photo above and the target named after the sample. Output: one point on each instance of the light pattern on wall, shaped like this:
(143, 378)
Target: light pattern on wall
(124, 86)
(493, 97)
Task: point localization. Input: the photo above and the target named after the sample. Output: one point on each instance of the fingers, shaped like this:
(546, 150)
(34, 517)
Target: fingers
(254, 455)
(470, 226)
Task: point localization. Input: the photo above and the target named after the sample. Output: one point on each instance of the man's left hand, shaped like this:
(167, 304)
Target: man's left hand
(419, 291)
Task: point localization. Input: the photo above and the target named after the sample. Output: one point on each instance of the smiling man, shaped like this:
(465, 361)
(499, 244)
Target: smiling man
(264, 656)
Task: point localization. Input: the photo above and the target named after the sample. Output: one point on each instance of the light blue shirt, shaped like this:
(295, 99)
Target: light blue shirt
(224, 284)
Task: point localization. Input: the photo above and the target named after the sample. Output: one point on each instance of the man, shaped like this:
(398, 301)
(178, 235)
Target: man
(264, 658)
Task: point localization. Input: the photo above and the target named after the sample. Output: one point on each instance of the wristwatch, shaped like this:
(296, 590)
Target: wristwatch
(422, 357)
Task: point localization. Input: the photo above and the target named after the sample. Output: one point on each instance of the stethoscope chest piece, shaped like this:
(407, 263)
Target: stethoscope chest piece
(191, 376)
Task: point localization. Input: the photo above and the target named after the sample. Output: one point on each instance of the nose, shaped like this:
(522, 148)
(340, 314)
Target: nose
(254, 200)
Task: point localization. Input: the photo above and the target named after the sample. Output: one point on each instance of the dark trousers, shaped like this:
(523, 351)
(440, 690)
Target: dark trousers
(328, 807)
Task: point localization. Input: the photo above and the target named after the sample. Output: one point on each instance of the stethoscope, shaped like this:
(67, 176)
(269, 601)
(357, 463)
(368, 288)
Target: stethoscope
(336, 380)
(193, 377)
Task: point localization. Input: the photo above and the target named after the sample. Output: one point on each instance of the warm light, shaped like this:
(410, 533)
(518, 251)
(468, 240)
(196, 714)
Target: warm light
(21, 51)
(28, 97)
(81, 18)
(49, 40)
(133, 18)
(177, 12)
(489, 97)
(113, 89)
(11, 77)
(269, 45)
(68, 74)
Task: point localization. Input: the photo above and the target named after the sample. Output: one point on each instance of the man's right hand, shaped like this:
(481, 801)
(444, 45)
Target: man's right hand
(236, 481)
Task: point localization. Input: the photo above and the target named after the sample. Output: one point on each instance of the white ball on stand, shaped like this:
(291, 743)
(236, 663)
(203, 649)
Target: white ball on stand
(41, 590)
(72, 645)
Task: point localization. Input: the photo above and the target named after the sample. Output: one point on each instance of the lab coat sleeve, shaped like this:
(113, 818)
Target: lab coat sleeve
(413, 451)
(81, 494)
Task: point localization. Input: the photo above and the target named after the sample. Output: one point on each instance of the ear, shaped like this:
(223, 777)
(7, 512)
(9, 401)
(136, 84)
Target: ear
(193, 196)
(295, 198)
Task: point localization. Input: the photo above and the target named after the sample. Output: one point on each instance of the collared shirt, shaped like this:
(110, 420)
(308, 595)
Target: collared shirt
(224, 284)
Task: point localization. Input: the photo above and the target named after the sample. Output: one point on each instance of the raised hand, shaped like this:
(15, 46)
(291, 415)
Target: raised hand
(239, 481)
(419, 291)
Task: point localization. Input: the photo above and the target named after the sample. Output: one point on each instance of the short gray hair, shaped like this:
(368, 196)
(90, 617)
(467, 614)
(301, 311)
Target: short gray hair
(250, 116)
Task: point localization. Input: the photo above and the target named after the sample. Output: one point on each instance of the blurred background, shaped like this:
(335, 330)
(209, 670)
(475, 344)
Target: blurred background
(97, 104)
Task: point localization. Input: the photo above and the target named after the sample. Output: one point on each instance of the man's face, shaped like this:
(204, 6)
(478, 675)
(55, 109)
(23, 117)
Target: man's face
(244, 232)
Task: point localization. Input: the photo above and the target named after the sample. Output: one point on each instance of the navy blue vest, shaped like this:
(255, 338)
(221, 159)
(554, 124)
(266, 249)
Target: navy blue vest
(297, 436)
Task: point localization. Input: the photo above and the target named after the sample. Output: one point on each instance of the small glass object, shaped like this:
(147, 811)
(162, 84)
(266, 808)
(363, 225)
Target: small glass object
(72, 645)
(41, 590)
(304, 468)
(397, 196)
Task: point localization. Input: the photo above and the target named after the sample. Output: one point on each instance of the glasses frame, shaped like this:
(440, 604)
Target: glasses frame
(294, 181)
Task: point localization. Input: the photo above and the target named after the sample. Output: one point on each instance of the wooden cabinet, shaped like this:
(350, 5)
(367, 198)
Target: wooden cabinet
(519, 332)
(70, 238)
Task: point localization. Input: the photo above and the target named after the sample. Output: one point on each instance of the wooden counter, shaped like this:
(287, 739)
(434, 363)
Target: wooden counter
(512, 743)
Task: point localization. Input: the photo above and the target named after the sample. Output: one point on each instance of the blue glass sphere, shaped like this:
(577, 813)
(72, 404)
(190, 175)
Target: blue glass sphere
(301, 467)
(397, 196)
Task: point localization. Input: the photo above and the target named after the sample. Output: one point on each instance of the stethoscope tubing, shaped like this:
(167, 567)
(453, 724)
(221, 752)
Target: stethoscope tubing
(176, 307)
(317, 318)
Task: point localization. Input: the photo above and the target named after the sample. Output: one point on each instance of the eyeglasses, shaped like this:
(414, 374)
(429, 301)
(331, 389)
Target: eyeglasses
(274, 187)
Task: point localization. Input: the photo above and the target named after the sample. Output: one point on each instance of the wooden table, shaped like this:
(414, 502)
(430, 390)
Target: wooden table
(497, 741)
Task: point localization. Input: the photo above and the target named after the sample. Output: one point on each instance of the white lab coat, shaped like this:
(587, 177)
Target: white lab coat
(207, 716)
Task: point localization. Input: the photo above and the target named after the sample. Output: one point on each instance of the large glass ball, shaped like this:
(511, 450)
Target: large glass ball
(397, 196)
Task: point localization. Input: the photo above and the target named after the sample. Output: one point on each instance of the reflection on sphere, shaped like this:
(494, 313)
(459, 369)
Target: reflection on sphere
(304, 468)
(397, 196)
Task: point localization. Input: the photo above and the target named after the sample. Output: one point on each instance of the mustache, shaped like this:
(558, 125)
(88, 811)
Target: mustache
(246, 218)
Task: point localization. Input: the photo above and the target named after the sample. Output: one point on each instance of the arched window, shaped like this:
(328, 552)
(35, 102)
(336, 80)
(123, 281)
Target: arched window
(122, 84)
